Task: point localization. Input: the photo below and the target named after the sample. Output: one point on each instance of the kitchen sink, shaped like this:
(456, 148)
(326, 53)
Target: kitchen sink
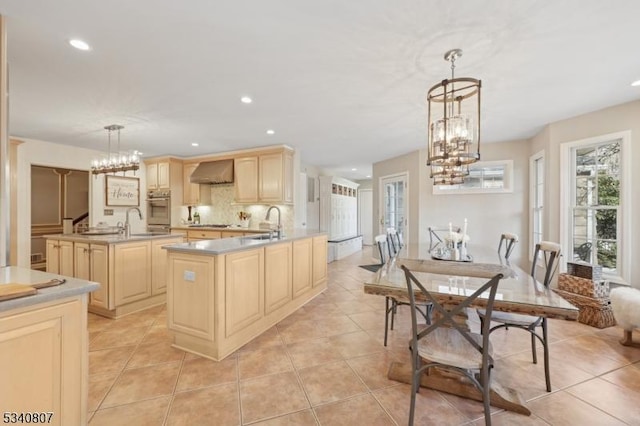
(264, 237)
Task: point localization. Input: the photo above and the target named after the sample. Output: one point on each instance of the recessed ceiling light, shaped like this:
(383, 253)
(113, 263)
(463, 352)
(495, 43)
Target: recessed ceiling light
(636, 83)
(246, 100)
(79, 44)
(354, 169)
(195, 144)
(368, 176)
(271, 132)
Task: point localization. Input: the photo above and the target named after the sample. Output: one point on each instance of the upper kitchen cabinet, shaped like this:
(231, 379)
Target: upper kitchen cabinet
(194, 194)
(266, 177)
(163, 173)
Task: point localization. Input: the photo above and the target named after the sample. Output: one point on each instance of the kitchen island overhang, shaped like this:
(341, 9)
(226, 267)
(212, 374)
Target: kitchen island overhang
(221, 294)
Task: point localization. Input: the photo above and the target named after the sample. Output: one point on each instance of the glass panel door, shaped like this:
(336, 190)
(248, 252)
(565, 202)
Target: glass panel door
(393, 213)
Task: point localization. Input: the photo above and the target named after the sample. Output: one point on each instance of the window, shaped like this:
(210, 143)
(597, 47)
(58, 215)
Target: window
(597, 200)
(484, 177)
(536, 191)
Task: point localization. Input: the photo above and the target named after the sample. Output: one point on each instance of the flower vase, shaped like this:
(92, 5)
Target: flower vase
(244, 223)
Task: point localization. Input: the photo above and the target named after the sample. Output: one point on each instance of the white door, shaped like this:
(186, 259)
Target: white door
(365, 215)
(394, 208)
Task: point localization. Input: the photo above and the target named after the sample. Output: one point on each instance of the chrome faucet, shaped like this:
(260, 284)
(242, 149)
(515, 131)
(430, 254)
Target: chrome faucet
(127, 225)
(279, 229)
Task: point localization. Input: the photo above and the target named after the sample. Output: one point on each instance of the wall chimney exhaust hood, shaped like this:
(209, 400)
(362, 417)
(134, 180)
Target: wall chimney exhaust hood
(213, 172)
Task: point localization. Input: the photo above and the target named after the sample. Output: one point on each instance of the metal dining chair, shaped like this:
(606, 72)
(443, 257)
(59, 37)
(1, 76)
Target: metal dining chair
(394, 245)
(509, 241)
(448, 344)
(548, 254)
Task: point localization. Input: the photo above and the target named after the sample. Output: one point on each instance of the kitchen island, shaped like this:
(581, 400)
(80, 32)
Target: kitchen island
(223, 293)
(131, 270)
(44, 349)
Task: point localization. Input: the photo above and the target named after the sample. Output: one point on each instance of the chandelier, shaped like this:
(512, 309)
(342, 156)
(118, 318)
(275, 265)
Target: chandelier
(116, 161)
(454, 126)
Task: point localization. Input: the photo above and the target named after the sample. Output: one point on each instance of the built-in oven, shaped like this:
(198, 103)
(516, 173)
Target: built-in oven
(159, 208)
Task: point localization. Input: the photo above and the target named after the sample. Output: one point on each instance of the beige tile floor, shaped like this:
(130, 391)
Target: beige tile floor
(326, 364)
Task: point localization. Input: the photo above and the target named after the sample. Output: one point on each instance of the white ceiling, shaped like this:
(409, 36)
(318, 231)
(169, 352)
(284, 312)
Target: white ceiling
(343, 82)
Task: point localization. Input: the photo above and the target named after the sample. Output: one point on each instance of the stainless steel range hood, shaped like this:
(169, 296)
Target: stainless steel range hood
(213, 172)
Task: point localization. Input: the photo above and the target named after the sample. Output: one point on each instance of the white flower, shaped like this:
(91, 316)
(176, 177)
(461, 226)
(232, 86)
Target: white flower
(456, 237)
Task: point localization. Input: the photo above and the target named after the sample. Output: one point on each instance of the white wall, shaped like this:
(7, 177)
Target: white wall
(35, 152)
(488, 215)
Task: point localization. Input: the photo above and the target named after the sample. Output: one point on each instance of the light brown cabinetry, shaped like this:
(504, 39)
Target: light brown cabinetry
(43, 356)
(190, 296)
(132, 272)
(193, 235)
(60, 257)
(275, 178)
(245, 171)
(302, 260)
(132, 275)
(194, 194)
(159, 264)
(264, 178)
(278, 276)
(214, 314)
(319, 266)
(164, 173)
(92, 264)
(244, 289)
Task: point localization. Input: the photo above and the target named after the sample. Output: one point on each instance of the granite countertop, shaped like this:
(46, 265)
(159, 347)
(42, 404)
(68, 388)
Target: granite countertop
(18, 275)
(218, 228)
(226, 245)
(111, 238)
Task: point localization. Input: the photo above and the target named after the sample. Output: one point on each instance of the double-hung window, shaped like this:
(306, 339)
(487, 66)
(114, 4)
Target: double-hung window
(596, 216)
(536, 173)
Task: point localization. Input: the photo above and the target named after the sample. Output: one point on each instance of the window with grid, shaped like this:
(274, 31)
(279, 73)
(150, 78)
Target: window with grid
(537, 199)
(596, 205)
(484, 177)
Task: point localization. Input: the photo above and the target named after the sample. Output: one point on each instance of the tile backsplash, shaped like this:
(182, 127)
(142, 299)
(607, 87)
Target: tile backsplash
(223, 210)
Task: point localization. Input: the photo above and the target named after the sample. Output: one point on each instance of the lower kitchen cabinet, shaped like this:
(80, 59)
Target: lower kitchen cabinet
(244, 289)
(319, 266)
(302, 261)
(159, 264)
(132, 275)
(216, 303)
(91, 262)
(278, 276)
(132, 272)
(60, 257)
(44, 362)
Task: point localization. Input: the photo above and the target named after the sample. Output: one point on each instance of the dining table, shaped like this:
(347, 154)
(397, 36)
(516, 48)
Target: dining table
(450, 282)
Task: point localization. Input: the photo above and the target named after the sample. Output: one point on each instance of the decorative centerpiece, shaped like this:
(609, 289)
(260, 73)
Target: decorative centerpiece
(244, 219)
(456, 246)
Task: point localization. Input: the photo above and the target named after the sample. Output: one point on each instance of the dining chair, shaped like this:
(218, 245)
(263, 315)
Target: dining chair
(548, 255)
(509, 240)
(449, 345)
(395, 240)
(394, 244)
(438, 233)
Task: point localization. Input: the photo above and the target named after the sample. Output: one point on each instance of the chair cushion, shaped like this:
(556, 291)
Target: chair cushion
(447, 346)
(509, 318)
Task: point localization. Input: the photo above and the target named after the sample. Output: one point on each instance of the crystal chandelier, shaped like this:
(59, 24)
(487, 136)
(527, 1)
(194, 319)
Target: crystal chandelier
(116, 161)
(454, 126)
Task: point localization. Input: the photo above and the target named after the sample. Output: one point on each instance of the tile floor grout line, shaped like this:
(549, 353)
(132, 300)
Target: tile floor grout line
(173, 392)
(298, 378)
(124, 368)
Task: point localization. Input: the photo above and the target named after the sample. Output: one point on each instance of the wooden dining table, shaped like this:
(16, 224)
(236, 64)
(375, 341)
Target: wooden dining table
(450, 282)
